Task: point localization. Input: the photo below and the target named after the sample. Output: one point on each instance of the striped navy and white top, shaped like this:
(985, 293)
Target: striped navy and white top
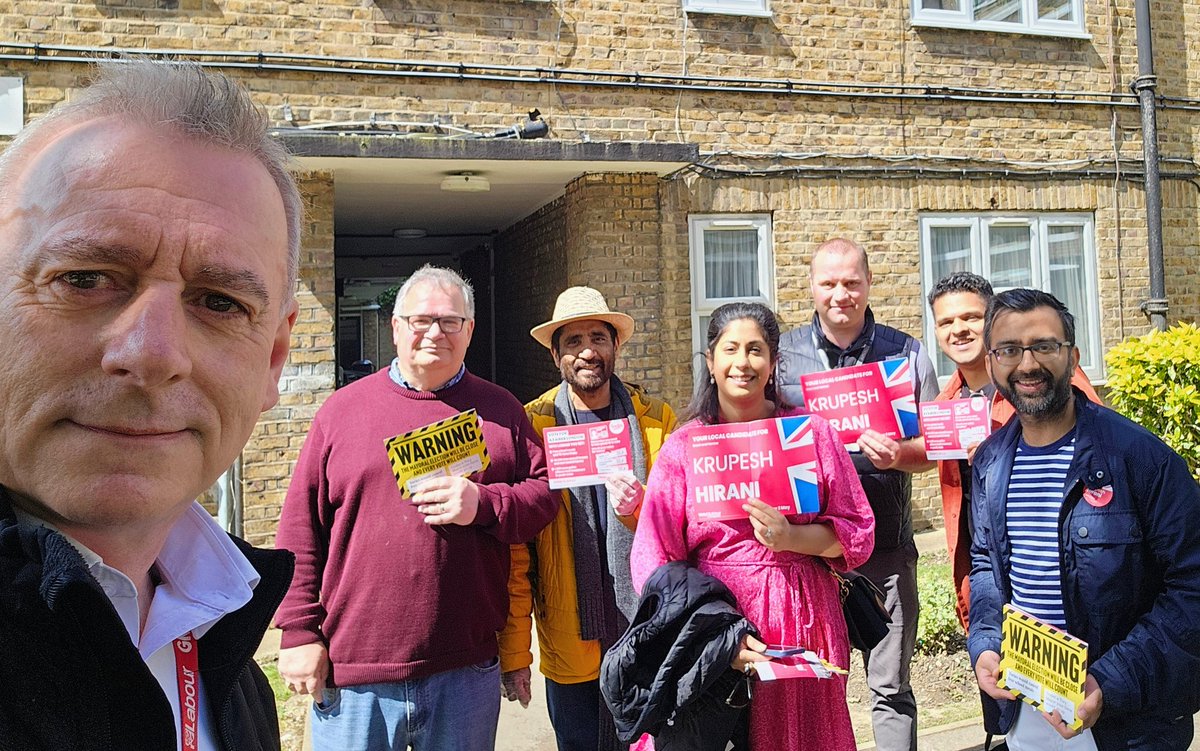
(1035, 497)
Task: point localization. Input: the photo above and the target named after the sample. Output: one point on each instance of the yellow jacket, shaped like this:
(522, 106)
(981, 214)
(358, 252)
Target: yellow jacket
(564, 657)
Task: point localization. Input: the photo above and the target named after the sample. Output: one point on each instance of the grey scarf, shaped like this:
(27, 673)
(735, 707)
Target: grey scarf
(605, 607)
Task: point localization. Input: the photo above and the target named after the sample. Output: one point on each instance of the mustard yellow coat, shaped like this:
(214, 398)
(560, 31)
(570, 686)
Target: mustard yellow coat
(564, 657)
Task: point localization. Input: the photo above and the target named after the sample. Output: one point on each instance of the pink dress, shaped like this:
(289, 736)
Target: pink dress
(791, 598)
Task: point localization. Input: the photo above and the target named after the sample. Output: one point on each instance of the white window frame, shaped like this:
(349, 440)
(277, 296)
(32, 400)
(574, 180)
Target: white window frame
(756, 8)
(703, 305)
(1031, 24)
(1088, 338)
(12, 105)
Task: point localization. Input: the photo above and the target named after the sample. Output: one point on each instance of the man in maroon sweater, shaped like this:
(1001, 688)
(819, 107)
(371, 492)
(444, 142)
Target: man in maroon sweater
(391, 620)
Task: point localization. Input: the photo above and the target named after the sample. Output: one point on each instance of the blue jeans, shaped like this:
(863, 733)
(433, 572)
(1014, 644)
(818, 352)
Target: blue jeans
(452, 711)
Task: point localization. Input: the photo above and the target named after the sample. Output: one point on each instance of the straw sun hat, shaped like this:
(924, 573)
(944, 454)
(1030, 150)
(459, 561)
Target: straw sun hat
(582, 304)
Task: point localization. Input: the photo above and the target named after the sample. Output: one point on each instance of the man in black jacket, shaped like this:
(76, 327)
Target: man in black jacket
(844, 333)
(149, 232)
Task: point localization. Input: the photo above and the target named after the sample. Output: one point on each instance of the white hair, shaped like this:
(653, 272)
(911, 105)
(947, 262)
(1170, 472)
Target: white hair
(444, 278)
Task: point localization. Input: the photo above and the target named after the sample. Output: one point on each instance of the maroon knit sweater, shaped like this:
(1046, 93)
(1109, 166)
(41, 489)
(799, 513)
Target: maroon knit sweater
(393, 597)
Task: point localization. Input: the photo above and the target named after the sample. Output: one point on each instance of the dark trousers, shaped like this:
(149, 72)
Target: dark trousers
(893, 706)
(575, 714)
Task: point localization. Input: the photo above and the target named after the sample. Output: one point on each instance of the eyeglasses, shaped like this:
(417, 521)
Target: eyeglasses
(448, 324)
(1012, 354)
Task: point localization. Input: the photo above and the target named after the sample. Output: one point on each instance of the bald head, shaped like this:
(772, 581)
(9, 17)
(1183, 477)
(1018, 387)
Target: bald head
(841, 287)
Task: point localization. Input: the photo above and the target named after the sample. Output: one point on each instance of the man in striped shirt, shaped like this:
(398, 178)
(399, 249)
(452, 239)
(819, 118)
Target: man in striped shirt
(1086, 521)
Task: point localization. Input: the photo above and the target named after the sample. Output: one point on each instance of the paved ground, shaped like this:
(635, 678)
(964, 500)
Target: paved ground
(526, 729)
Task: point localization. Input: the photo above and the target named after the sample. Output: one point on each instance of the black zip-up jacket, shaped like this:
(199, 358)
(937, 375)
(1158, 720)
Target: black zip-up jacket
(669, 674)
(72, 679)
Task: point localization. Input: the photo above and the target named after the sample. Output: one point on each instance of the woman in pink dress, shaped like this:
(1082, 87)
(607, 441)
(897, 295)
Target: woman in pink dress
(774, 564)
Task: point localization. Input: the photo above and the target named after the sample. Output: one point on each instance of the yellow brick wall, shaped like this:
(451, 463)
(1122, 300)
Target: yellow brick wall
(308, 377)
(853, 43)
(531, 269)
(628, 235)
(604, 233)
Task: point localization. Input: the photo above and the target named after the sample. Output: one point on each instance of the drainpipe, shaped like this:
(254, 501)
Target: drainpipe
(1144, 86)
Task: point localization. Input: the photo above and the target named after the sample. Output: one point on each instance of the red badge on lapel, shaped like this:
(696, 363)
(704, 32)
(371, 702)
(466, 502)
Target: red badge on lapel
(1098, 497)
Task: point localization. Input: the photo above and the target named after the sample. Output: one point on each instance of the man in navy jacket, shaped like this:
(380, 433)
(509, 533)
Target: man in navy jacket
(1124, 572)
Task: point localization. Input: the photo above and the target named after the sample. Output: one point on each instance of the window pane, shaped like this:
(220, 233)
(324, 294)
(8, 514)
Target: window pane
(1008, 11)
(940, 4)
(731, 263)
(951, 250)
(1008, 247)
(1068, 280)
(1056, 10)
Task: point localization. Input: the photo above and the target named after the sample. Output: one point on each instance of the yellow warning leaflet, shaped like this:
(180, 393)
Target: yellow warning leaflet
(453, 447)
(1043, 665)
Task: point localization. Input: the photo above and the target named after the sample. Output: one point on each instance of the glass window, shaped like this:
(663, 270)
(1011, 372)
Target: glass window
(1057, 10)
(728, 7)
(1006, 11)
(1009, 250)
(1052, 251)
(731, 259)
(1062, 18)
(949, 249)
(731, 263)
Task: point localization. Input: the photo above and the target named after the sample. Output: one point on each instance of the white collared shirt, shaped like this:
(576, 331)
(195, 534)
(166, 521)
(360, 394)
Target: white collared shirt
(203, 578)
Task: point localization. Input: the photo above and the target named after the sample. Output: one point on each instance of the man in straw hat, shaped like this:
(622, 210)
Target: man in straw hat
(579, 565)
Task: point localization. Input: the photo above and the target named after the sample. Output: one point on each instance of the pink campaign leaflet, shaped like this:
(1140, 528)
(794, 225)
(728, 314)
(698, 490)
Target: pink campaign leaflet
(952, 426)
(578, 455)
(877, 395)
(773, 460)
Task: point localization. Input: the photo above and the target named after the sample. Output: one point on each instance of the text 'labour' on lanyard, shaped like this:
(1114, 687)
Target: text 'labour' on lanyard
(187, 672)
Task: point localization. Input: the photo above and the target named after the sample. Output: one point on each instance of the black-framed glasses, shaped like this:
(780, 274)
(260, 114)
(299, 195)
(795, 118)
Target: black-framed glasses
(448, 324)
(1011, 354)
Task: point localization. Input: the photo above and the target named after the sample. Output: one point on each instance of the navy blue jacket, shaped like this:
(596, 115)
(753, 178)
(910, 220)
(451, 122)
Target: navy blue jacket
(1130, 573)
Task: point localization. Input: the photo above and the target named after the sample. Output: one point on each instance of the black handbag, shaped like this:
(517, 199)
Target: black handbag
(864, 606)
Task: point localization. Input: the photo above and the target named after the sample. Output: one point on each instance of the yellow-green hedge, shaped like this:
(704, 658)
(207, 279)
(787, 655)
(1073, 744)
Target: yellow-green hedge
(1154, 380)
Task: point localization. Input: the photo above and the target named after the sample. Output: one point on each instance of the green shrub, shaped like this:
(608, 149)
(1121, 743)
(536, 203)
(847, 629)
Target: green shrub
(938, 630)
(1154, 380)
(387, 299)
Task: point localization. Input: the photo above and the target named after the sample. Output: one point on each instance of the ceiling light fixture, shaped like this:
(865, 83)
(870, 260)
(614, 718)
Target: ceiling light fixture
(409, 233)
(466, 182)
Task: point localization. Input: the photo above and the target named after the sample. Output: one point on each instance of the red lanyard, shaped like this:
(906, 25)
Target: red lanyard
(187, 671)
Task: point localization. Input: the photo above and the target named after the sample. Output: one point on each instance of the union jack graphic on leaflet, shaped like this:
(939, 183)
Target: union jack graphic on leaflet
(795, 432)
(897, 380)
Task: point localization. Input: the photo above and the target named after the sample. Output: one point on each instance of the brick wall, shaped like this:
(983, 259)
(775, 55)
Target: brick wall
(855, 43)
(605, 232)
(614, 234)
(531, 269)
(308, 377)
(627, 235)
